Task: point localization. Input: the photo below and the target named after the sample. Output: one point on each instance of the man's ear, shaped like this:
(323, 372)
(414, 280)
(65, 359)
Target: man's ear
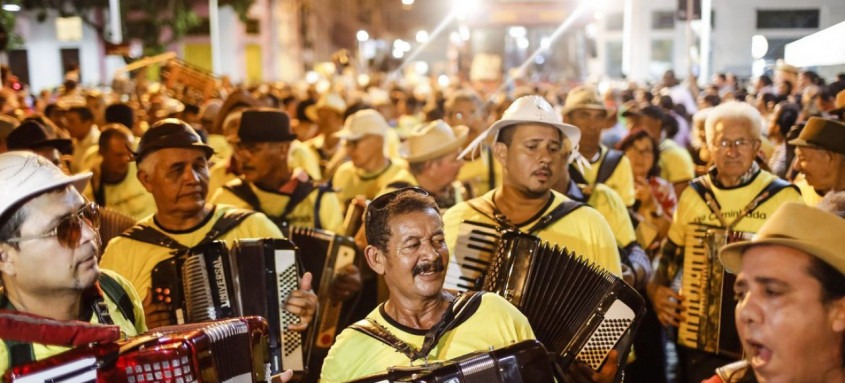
(375, 258)
(145, 180)
(837, 315)
(500, 152)
(6, 264)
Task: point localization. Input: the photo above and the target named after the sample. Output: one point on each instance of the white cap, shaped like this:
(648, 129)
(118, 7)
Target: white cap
(25, 174)
(527, 109)
(362, 123)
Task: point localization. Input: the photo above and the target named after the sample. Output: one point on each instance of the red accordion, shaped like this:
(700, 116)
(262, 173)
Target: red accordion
(231, 350)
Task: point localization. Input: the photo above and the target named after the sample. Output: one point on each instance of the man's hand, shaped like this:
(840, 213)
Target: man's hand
(283, 377)
(347, 283)
(302, 302)
(628, 275)
(668, 304)
(156, 314)
(581, 373)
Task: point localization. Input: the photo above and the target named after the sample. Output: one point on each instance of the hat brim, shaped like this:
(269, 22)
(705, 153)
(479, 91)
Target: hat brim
(79, 181)
(803, 142)
(311, 113)
(287, 138)
(570, 109)
(462, 134)
(731, 255)
(571, 132)
(209, 151)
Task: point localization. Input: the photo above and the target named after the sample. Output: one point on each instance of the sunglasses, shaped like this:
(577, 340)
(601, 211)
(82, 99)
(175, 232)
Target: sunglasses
(381, 202)
(69, 229)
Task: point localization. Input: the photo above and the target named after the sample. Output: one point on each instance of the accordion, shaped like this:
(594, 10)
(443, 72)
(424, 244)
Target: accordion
(524, 362)
(324, 254)
(232, 350)
(709, 323)
(254, 278)
(577, 309)
(471, 256)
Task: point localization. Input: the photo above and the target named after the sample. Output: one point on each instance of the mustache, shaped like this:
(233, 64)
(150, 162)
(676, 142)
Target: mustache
(433, 266)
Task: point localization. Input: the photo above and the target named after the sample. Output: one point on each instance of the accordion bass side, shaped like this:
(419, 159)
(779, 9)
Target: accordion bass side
(577, 309)
(523, 362)
(324, 254)
(709, 323)
(267, 271)
(186, 353)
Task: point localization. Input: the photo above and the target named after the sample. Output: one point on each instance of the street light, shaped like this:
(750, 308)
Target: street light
(362, 35)
(11, 7)
(422, 37)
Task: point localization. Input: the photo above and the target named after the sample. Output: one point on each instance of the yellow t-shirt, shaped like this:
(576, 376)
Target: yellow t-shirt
(693, 210)
(218, 176)
(274, 203)
(583, 231)
(222, 149)
(127, 329)
(496, 323)
(675, 162)
(350, 181)
(300, 156)
(621, 180)
(127, 196)
(808, 192)
(135, 260)
(476, 173)
(610, 206)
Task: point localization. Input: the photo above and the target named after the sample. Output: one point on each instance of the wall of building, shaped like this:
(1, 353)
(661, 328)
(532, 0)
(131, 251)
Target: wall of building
(734, 25)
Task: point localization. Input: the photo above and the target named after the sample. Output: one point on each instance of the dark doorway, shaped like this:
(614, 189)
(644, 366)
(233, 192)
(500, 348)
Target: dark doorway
(70, 61)
(19, 64)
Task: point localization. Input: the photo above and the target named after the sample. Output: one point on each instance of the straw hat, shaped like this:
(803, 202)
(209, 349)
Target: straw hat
(25, 174)
(583, 97)
(331, 101)
(362, 123)
(433, 140)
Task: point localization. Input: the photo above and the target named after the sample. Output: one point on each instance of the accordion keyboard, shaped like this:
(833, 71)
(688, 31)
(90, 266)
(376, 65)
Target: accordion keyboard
(694, 286)
(471, 256)
(286, 283)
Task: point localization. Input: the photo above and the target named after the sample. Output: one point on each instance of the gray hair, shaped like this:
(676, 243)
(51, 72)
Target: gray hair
(149, 162)
(834, 202)
(732, 110)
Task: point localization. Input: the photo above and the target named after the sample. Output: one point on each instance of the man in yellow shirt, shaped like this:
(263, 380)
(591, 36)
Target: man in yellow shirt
(328, 114)
(48, 257)
(407, 246)
(115, 183)
(433, 162)
(269, 184)
(820, 156)
(585, 110)
(480, 173)
(172, 165)
(530, 141)
(734, 194)
(676, 164)
(369, 171)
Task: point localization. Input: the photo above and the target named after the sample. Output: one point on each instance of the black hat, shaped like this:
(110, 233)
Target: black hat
(652, 111)
(31, 135)
(265, 125)
(170, 133)
(302, 107)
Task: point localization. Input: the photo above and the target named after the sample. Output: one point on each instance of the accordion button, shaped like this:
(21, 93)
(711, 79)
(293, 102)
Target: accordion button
(167, 291)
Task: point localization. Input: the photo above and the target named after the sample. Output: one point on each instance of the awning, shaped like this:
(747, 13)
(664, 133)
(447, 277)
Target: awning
(819, 49)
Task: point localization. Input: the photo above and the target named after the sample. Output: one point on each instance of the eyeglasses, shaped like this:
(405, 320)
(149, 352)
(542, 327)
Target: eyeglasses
(740, 144)
(69, 229)
(381, 202)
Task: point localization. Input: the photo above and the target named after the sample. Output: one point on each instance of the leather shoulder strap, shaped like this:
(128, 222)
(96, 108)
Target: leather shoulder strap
(243, 191)
(555, 215)
(230, 220)
(608, 166)
(150, 235)
(118, 294)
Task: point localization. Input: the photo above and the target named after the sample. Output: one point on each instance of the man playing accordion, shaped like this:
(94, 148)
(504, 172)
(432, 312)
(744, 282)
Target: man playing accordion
(733, 198)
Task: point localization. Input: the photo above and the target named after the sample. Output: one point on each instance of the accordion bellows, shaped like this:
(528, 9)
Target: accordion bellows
(576, 308)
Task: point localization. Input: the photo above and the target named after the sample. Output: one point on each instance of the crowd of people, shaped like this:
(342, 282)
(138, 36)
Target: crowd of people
(96, 188)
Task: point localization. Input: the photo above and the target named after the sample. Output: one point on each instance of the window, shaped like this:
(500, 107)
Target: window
(614, 59)
(614, 21)
(253, 27)
(788, 19)
(777, 47)
(662, 20)
(661, 57)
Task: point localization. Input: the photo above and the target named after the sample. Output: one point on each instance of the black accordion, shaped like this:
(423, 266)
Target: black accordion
(232, 350)
(254, 278)
(324, 254)
(576, 308)
(523, 362)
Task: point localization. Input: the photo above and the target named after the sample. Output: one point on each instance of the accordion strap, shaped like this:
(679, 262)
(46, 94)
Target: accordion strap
(702, 186)
(460, 310)
(147, 234)
(489, 210)
(243, 191)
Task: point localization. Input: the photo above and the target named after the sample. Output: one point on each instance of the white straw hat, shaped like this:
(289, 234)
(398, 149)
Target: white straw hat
(25, 174)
